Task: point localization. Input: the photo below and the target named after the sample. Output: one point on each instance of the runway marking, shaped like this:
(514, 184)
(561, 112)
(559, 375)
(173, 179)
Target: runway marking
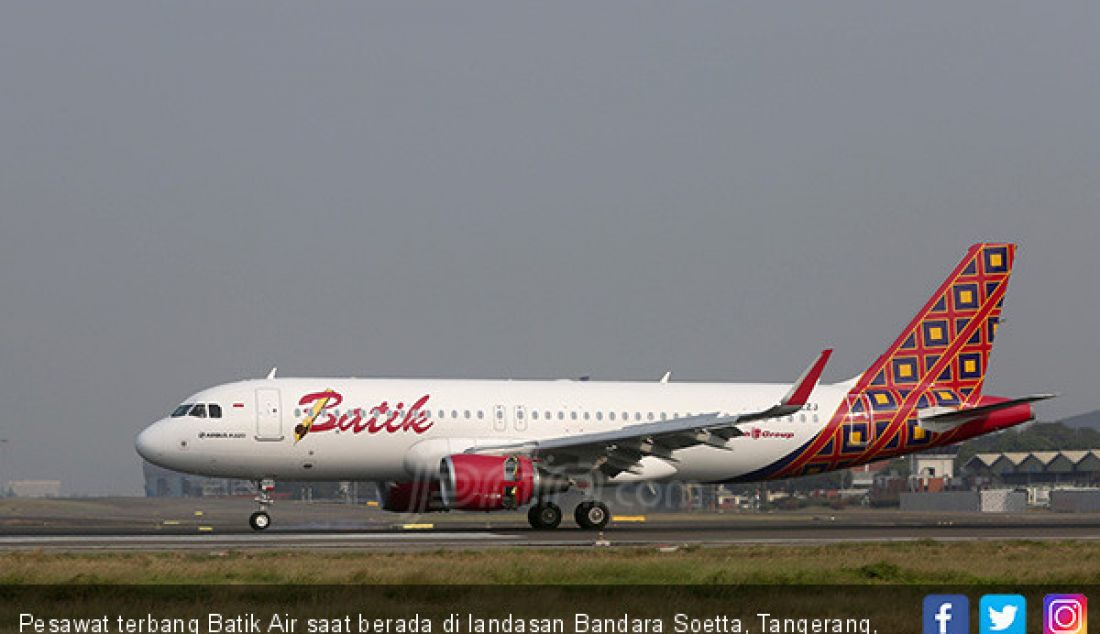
(417, 527)
(628, 518)
(418, 540)
(267, 540)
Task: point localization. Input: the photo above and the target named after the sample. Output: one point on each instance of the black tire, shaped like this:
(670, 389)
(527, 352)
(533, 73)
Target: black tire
(544, 517)
(579, 513)
(592, 516)
(259, 520)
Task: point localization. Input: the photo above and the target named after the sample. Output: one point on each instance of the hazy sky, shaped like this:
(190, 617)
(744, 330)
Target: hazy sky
(192, 192)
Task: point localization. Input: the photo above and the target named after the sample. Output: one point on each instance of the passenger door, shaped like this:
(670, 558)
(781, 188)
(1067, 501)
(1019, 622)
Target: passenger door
(269, 416)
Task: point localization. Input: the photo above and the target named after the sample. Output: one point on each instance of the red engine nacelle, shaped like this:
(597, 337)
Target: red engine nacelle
(412, 497)
(487, 483)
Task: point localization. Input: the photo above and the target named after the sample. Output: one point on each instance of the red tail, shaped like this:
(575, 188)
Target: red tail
(947, 344)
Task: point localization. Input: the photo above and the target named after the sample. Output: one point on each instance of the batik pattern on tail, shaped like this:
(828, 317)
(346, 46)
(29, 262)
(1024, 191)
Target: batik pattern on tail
(939, 359)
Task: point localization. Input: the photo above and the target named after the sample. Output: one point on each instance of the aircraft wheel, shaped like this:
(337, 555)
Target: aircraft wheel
(259, 521)
(592, 515)
(544, 516)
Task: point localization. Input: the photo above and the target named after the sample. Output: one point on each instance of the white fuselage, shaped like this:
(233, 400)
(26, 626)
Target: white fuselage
(385, 429)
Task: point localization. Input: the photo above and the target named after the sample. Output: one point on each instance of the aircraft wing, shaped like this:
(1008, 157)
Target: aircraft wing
(621, 449)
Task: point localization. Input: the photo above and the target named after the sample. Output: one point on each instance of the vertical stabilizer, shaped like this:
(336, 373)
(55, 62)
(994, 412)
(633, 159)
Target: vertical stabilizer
(947, 344)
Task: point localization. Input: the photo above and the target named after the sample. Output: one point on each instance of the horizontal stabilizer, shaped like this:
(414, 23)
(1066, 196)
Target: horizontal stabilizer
(938, 420)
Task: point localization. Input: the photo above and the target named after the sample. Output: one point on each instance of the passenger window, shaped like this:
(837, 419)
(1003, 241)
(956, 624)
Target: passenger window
(466, 413)
(637, 416)
(547, 415)
(199, 411)
(454, 413)
(519, 414)
(215, 410)
(573, 415)
(586, 415)
(664, 415)
(181, 410)
(611, 416)
(534, 414)
(599, 415)
(649, 416)
(480, 414)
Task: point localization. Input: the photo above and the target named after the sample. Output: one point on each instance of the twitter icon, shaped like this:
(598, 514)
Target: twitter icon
(1002, 613)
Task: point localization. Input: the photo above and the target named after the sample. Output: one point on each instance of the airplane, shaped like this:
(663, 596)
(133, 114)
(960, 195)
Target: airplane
(491, 445)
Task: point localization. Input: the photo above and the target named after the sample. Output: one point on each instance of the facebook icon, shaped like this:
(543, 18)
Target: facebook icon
(946, 614)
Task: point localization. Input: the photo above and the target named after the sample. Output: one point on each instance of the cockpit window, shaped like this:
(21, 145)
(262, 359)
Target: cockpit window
(198, 410)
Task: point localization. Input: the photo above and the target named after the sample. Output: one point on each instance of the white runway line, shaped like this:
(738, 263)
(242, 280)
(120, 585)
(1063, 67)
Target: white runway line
(274, 539)
(486, 539)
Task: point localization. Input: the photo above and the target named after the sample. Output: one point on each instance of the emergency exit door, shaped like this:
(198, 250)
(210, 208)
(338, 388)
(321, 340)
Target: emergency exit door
(500, 418)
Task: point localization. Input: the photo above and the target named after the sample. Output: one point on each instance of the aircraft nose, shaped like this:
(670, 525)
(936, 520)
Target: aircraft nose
(149, 442)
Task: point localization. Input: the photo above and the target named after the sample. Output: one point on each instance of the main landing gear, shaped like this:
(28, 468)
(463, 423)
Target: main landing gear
(590, 515)
(260, 519)
(544, 516)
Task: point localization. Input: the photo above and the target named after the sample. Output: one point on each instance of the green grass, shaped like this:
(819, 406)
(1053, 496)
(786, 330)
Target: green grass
(911, 563)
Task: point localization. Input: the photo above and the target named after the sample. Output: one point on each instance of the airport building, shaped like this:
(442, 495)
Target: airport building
(161, 482)
(33, 489)
(1079, 468)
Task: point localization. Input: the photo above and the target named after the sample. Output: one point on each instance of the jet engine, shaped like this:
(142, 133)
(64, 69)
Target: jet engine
(476, 482)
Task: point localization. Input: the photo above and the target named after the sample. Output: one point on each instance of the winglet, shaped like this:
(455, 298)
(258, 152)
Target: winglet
(806, 383)
(799, 393)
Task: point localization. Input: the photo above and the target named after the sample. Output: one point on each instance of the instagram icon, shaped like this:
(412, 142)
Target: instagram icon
(1065, 614)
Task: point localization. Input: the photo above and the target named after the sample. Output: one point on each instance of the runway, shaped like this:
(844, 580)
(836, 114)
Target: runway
(213, 524)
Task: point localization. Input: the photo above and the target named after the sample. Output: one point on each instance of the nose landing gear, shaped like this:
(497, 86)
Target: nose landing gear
(260, 519)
